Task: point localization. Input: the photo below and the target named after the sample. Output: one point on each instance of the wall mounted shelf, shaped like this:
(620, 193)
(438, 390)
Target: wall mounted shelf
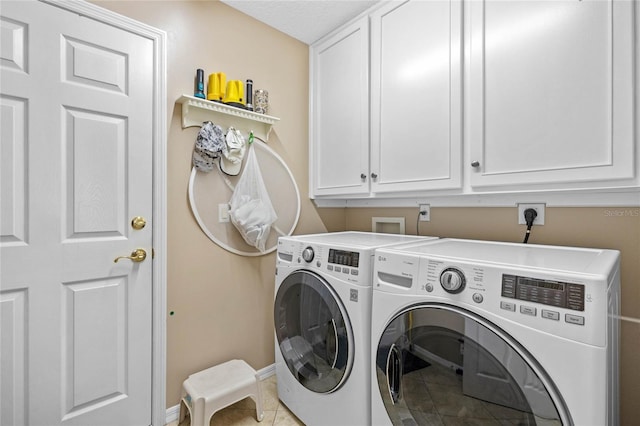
(195, 111)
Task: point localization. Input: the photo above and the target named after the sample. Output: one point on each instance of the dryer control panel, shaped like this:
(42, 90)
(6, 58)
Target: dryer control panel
(572, 307)
(547, 292)
(562, 305)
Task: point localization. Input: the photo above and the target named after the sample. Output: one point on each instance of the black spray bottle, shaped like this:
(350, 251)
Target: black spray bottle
(199, 84)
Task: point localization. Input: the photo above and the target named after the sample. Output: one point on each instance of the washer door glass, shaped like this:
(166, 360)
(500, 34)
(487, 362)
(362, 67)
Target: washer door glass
(313, 332)
(438, 364)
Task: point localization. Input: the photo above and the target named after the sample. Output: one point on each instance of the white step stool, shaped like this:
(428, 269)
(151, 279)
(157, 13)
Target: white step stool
(217, 387)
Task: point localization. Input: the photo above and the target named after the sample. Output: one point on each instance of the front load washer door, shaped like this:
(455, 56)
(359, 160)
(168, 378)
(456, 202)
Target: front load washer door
(438, 364)
(313, 332)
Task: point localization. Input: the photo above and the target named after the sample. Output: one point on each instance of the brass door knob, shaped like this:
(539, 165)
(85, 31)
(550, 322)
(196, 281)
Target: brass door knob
(138, 222)
(137, 255)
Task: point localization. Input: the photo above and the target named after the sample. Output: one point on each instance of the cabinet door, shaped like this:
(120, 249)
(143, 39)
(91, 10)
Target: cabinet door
(339, 154)
(551, 94)
(416, 96)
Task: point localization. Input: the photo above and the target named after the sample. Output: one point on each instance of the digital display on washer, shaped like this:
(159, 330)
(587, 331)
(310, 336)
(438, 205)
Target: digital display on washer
(346, 258)
(547, 292)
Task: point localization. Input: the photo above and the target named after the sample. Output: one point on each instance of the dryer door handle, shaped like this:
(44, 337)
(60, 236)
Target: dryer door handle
(394, 373)
(335, 335)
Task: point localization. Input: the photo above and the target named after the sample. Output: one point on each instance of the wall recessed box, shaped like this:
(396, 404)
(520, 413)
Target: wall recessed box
(388, 225)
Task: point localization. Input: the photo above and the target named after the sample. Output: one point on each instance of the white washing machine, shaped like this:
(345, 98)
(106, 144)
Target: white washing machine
(480, 332)
(322, 314)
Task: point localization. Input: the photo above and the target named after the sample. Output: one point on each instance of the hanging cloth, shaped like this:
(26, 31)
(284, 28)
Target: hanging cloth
(251, 211)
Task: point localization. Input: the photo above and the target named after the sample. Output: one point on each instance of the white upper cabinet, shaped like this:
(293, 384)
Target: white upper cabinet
(479, 100)
(416, 96)
(551, 94)
(339, 124)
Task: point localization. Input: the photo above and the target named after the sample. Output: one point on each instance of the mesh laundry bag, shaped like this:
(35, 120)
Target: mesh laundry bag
(250, 209)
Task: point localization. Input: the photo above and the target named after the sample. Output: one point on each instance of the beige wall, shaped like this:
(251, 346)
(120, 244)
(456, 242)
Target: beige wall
(222, 303)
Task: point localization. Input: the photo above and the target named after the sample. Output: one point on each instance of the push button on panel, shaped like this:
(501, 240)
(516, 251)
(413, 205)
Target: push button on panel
(507, 306)
(574, 319)
(552, 315)
(528, 310)
(477, 297)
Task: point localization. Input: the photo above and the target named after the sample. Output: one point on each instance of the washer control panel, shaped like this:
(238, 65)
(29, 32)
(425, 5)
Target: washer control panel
(344, 258)
(344, 264)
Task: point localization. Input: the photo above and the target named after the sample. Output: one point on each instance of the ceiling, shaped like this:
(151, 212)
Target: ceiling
(305, 20)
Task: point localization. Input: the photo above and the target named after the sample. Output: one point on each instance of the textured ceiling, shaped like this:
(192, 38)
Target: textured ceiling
(305, 20)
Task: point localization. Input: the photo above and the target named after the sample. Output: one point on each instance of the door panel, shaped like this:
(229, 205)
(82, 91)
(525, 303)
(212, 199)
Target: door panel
(94, 66)
(96, 145)
(76, 163)
(94, 335)
(13, 347)
(13, 175)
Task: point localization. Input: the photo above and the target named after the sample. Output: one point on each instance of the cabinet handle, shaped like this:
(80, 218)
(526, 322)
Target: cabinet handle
(363, 176)
(475, 164)
(374, 176)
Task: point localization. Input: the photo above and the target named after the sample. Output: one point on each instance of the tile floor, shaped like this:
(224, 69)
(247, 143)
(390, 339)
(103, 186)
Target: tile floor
(446, 406)
(243, 413)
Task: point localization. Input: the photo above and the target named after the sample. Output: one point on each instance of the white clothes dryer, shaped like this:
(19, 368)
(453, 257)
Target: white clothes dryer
(322, 314)
(481, 332)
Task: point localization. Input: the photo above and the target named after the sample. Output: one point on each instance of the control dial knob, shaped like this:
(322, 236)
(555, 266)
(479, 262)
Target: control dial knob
(452, 280)
(308, 254)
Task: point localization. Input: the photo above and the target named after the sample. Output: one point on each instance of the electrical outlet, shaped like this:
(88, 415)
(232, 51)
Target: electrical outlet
(223, 212)
(426, 217)
(538, 207)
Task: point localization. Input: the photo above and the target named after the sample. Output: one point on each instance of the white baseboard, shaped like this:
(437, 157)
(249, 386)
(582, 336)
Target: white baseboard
(174, 412)
(267, 372)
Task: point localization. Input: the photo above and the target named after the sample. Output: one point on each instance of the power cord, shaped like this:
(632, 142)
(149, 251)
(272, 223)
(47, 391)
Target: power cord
(420, 213)
(529, 216)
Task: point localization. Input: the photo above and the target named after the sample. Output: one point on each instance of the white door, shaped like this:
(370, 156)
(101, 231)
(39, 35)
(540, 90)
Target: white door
(76, 167)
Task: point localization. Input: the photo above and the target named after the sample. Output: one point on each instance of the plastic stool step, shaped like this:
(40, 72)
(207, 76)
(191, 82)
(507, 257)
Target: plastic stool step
(208, 391)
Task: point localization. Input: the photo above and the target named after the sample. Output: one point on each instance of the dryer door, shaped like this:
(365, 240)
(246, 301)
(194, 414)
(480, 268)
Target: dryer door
(440, 364)
(313, 332)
